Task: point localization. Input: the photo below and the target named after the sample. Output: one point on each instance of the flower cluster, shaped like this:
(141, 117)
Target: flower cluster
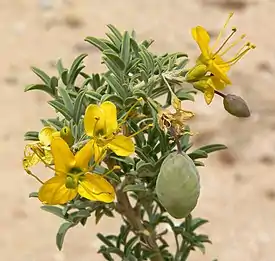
(210, 72)
(73, 174)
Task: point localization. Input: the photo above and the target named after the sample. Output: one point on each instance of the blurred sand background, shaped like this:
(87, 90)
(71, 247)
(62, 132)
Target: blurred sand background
(238, 185)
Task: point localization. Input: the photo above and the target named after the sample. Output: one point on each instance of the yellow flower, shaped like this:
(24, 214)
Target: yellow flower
(36, 151)
(208, 85)
(175, 120)
(212, 57)
(72, 177)
(100, 122)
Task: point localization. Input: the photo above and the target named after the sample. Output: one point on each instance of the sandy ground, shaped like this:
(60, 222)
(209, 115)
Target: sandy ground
(238, 191)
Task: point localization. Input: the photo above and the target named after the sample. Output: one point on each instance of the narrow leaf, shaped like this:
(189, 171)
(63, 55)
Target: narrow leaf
(54, 84)
(75, 65)
(64, 76)
(66, 99)
(54, 210)
(39, 87)
(93, 95)
(33, 195)
(105, 240)
(77, 112)
(42, 75)
(61, 108)
(56, 123)
(213, 147)
(115, 32)
(60, 67)
(114, 84)
(125, 49)
(62, 232)
(97, 43)
(115, 58)
(198, 154)
(137, 187)
(113, 67)
(31, 135)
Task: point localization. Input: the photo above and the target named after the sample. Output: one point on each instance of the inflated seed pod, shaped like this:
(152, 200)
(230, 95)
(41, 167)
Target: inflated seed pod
(178, 185)
(236, 106)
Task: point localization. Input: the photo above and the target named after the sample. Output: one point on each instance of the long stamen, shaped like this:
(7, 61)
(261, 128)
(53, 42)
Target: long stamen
(116, 167)
(240, 54)
(34, 176)
(97, 119)
(46, 164)
(49, 166)
(234, 30)
(141, 130)
(232, 45)
(222, 31)
(130, 110)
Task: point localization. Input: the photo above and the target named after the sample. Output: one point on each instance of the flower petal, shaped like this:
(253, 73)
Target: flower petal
(201, 36)
(94, 120)
(84, 155)
(45, 135)
(54, 191)
(110, 117)
(217, 83)
(122, 145)
(209, 95)
(219, 72)
(99, 152)
(95, 187)
(64, 159)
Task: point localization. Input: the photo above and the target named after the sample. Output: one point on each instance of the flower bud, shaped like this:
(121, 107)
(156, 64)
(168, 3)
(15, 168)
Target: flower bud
(178, 185)
(236, 106)
(66, 134)
(196, 73)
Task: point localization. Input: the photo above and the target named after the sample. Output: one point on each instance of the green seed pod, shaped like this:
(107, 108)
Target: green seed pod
(178, 185)
(236, 106)
(66, 134)
(71, 182)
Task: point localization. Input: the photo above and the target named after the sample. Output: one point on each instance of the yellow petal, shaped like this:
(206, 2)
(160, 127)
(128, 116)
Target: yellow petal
(99, 152)
(217, 83)
(222, 63)
(45, 135)
(122, 145)
(110, 117)
(209, 94)
(64, 159)
(94, 120)
(176, 102)
(95, 187)
(219, 72)
(30, 161)
(84, 155)
(48, 157)
(201, 36)
(54, 191)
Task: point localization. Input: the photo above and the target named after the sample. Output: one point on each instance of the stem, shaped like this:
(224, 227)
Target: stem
(220, 94)
(172, 131)
(124, 207)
